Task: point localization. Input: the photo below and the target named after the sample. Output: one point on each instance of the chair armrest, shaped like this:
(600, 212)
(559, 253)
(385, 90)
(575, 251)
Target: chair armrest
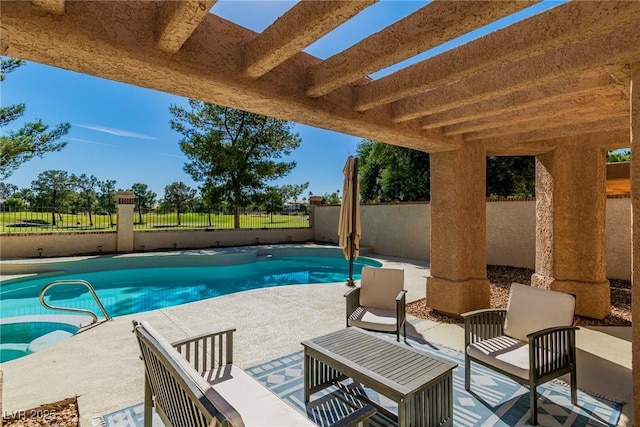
(483, 324)
(353, 301)
(551, 350)
(401, 307)
(356, 417)
(207, 351)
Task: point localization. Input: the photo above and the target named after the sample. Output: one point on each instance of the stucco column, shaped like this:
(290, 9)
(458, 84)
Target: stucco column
(570, 225)
(125, 202)
(635, 232)
(458, 281)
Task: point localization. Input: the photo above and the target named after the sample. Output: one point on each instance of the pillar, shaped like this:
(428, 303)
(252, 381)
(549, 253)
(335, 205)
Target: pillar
(570, 225)
(458, 282)
(635, 232)
(124, 207)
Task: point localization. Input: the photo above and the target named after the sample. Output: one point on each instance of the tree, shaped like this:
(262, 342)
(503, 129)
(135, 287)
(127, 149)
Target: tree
(145, 199)
(87, 186)
(617, 156)
(233, 153)
(511, 176)
(389, 173)
(179, 196)
(53, 188)
(7, 190)
(32, 139)
(107, 198)
(331, 199)
(293, 191)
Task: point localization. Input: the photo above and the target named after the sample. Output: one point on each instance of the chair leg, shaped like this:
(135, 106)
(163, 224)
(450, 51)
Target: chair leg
(533, 403)
(574, 387)
(467, 372)
(404, 330)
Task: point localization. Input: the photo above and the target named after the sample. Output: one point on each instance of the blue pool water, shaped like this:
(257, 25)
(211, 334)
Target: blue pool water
(127, 291)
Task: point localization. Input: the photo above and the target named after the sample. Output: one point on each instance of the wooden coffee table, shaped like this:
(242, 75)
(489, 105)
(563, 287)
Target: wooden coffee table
(420, 383)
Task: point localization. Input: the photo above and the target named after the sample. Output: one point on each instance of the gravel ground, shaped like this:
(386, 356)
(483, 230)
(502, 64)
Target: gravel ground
(58, 414)
(65, 413)
(501, 279)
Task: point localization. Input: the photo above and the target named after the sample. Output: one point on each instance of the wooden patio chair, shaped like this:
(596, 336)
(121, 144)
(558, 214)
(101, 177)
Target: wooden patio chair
(379, 303)
(532, 341)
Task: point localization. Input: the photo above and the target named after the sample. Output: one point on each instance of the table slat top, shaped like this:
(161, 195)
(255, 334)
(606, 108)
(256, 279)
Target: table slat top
(400, 366)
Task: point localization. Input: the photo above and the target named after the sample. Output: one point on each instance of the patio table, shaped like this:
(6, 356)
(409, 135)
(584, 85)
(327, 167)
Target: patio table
(419, 382)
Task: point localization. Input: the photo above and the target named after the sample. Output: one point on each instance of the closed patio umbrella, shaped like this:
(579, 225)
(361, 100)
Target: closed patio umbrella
(349, 229)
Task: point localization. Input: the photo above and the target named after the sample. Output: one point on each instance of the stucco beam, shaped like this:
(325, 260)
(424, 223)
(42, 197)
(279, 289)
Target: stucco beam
(178, 20)
(558, 91)
(435, 23)
(206, 67)
(509, 143)
(567, 23)
(584, 118)
(523, 145)
(54, 7)
(603, 103)
(617, 47)
(302, 25)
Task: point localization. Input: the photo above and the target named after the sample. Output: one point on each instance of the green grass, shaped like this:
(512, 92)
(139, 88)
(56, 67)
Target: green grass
(33, 222)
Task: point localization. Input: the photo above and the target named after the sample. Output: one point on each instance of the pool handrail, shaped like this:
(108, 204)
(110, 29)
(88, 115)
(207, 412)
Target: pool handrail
(86, 284)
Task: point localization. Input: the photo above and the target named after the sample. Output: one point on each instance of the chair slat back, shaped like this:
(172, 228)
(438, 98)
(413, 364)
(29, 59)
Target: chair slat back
(380, 286)
(181, 399)
(532, 309)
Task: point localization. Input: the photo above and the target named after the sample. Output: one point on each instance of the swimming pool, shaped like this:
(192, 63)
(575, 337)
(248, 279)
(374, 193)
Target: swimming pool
(133, 287)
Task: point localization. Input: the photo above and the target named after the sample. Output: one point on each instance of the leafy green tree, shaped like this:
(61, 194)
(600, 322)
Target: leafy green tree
(7, 190)
(511, 176)
(232, 152)
(31, 140)
(145, 199)
(179, 196)
(331, 199)
(389, 173)
(13, 204)
(293, 191)
(54, 188)
(27, 196)
(617, 156)
(107, 198)
(87, 187)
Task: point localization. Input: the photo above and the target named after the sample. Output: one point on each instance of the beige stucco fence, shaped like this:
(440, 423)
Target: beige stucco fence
(404, 230)
(401, 230)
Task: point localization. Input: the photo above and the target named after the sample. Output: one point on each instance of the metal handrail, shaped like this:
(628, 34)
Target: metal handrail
(75, 310)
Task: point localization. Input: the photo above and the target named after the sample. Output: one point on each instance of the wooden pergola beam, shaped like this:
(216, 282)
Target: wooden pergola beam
(178, 20)
(567, 23)
(616, 47)
(302, 25)
(435, 23)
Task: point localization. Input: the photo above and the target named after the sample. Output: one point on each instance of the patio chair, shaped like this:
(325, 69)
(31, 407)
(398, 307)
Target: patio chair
(532, 341)
(379, 303)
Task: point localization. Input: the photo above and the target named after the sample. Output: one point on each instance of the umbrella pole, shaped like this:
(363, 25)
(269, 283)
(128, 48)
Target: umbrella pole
(352, 235)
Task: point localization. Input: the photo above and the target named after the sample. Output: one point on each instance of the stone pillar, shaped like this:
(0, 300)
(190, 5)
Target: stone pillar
(458, 281)
(571, 207)
(125, 201)
(635, 232)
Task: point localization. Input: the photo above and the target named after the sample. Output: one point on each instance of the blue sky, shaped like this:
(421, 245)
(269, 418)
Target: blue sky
(122, 132)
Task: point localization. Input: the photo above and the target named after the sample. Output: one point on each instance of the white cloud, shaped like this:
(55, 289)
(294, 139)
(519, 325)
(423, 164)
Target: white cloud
(113, 131)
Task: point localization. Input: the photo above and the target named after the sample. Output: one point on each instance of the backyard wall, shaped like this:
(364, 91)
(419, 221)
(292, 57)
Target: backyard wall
(25, 245)
(404, 230)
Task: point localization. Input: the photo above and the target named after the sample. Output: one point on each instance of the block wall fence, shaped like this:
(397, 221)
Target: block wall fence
(404, 230)
(394, 229)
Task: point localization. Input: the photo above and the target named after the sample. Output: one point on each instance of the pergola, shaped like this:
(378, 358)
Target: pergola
(558, 85)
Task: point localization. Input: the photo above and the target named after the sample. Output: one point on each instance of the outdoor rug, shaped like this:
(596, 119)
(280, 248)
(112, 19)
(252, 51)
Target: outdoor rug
(495, 400)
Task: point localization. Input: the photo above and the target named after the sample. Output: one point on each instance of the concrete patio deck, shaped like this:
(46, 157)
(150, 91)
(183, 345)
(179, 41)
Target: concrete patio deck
(102, 367)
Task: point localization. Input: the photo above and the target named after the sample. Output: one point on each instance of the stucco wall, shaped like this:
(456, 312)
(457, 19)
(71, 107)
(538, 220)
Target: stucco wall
(404, 230)
(25, 245)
